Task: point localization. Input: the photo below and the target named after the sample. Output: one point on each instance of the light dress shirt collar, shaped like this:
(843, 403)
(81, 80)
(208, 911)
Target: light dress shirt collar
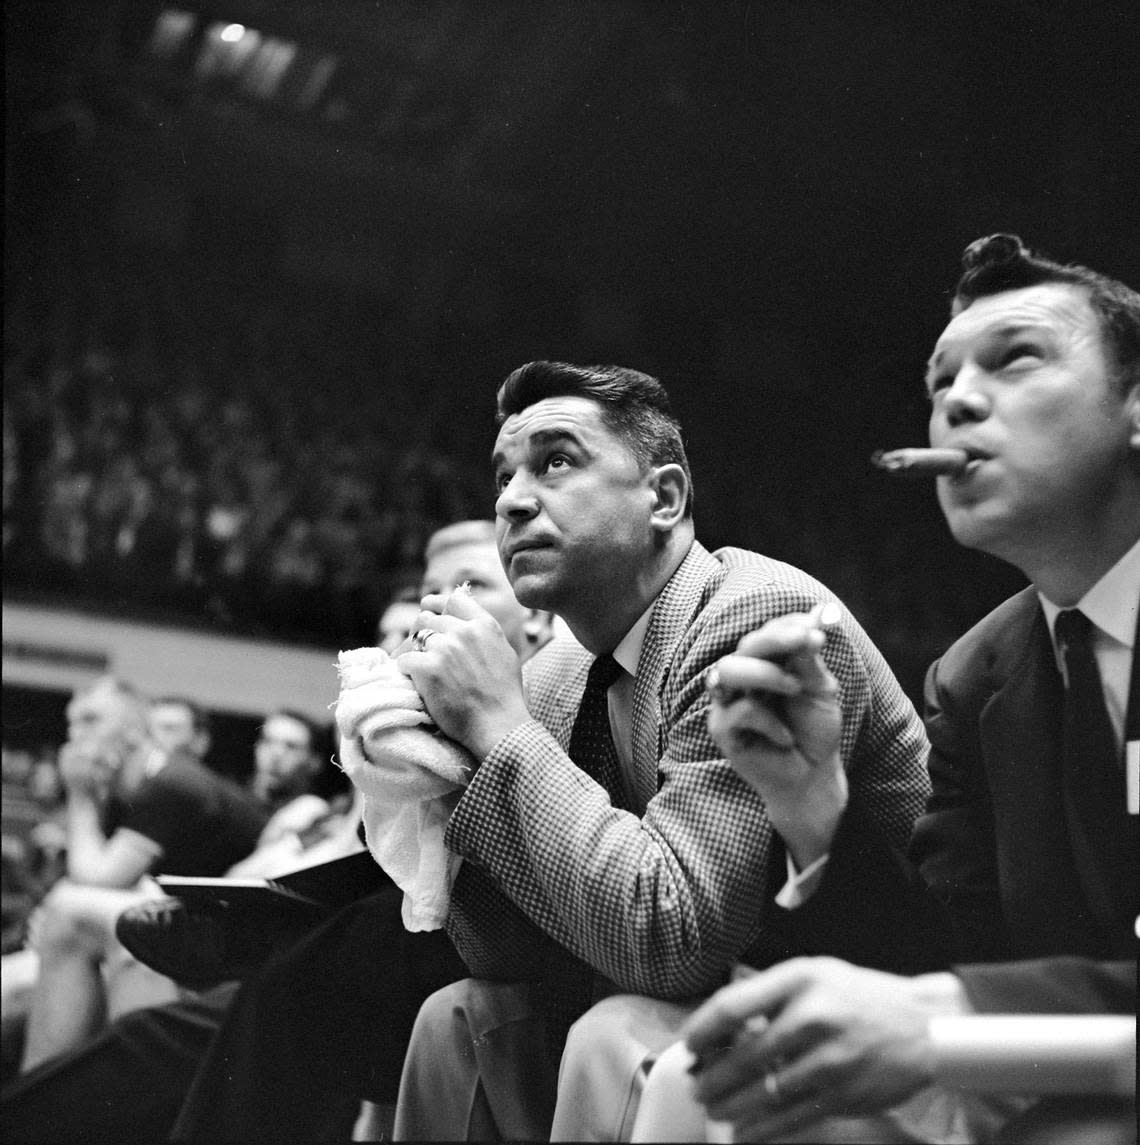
(628, 651)
(620, 697)
(1111, 604)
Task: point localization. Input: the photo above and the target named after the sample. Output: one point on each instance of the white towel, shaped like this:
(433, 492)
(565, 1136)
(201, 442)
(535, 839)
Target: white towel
(410, 776)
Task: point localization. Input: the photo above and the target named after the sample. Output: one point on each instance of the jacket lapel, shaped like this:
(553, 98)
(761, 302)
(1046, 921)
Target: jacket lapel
(680, 601)
(1052, 890)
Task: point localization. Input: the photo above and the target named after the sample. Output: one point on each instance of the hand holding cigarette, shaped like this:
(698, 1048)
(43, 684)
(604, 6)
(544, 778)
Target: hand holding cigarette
(775, 715)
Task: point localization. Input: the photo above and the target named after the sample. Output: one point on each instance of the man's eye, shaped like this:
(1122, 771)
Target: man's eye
(557, 461)
(502, 480)
(1018, 352)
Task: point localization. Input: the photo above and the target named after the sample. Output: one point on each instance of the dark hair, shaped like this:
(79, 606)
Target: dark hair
(635, 407)
(199, 717)
(999, 263)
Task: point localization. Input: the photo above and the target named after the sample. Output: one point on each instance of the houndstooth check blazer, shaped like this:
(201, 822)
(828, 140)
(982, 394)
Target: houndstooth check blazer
(663, 899)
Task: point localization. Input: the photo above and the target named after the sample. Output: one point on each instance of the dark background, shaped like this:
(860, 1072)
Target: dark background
(762, 204)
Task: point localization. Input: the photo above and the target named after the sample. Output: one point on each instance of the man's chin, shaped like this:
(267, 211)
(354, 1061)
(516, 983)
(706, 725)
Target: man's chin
(532, 590)
(984, 529)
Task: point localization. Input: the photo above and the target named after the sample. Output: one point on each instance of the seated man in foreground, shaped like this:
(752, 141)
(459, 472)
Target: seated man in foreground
(1024, 885)
(603, 823)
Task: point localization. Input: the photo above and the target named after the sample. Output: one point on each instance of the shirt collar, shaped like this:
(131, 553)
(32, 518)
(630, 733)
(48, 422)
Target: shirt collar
(156, 760)
(1111, 604)
(628, 651)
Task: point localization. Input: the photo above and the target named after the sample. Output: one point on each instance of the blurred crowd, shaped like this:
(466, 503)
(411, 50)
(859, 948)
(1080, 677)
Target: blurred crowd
(33, 836)
(172, 444)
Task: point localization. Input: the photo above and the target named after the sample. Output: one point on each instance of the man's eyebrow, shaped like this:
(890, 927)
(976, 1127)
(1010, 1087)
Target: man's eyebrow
(540, 439)
(543, 437)
(1006, 330)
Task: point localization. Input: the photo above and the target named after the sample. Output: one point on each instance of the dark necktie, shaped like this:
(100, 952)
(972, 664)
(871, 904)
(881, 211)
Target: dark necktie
(1093, 778)
(591, 742)
(1090, 745)
(568, 982)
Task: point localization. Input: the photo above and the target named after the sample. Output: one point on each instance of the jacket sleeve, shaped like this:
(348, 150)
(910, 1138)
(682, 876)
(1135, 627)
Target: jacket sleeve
(1051, 986)
(923, 908)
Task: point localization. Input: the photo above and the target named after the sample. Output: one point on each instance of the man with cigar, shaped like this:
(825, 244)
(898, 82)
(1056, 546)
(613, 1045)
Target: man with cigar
(1022, 884)
(604, 839)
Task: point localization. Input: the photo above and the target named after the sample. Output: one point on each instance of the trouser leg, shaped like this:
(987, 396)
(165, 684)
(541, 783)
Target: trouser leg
(477, 1067)
(318, 1027)
(125, 1085)
(608, 1054)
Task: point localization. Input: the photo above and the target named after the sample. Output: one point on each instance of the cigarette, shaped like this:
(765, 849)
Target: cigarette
(921, 462)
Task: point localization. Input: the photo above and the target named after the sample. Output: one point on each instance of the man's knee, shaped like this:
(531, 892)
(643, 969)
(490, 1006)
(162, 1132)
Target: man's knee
(440, 1012)
(628, 1023)
(594, 1028)
(479, 1006)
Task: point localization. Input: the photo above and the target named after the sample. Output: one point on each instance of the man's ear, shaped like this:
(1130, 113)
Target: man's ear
(1132, 404)
(671, 491)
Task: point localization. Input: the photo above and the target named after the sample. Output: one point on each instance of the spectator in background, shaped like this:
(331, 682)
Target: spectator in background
(176, 724)
(398, 619)
(124, 1081)
(132, 808)
(128, 1081)
(285, 768)
(466, 552)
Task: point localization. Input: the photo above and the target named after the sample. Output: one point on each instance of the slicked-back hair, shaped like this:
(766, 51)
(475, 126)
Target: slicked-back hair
(635, 408)
(997, 263)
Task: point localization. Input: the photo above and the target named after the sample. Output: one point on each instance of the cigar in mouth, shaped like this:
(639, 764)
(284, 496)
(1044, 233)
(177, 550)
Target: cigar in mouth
(922, 462)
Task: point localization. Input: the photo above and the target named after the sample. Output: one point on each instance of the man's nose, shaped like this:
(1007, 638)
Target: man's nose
(966, 399)
(517, 500)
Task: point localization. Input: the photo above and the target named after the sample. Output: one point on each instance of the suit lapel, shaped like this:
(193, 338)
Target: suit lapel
(1020, 728)
(1052, 887)
(678, 604)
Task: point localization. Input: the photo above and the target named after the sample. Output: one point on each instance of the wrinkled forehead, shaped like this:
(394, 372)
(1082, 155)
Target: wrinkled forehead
(1053, 307)
(567, 415)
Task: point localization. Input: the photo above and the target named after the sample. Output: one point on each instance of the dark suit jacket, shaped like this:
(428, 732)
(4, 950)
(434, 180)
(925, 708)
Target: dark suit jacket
(1001, 884)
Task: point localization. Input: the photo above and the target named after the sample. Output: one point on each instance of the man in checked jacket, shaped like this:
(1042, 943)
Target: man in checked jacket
(659, 884)
(567, 889)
